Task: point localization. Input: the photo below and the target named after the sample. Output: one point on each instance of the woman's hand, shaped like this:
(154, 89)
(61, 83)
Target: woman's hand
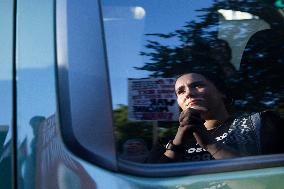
(192, 125)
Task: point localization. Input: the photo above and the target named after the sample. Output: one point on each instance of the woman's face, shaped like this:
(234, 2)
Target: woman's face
(195, 91)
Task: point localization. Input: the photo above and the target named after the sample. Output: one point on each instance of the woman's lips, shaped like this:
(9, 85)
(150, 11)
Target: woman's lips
(193, 102)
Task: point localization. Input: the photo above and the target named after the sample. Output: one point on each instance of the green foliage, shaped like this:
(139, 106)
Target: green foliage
(125, 129)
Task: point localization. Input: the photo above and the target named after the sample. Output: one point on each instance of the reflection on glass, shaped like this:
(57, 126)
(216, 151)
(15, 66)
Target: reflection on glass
(165, 39)
(135, 150)
(35, 83)
(6, 62)
(43, 161)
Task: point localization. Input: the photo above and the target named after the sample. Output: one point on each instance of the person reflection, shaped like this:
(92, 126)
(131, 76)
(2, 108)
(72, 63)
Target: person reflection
(207, 130)
(29, 173)
(135, 150)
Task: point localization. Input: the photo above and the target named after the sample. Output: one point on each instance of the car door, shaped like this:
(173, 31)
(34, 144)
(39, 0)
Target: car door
(74, 61)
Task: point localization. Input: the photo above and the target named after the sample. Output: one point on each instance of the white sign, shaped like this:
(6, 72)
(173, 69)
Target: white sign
(152, 100)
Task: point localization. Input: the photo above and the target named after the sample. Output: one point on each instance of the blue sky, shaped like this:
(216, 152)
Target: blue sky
(127, 22)
(35, 62)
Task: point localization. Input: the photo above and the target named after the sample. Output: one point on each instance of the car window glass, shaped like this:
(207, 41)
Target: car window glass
(6, 63)
(154, 41)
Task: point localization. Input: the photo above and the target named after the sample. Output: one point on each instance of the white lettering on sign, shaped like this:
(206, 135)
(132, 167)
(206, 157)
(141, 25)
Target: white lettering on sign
(152, 100)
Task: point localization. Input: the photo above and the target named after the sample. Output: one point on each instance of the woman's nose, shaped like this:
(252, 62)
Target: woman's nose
(189, 93)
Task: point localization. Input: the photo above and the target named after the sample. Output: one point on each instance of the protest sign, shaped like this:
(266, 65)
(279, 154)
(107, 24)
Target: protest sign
(152, 100)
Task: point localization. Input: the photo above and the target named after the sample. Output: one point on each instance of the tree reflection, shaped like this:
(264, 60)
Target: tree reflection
(253, 76)
(257, 85)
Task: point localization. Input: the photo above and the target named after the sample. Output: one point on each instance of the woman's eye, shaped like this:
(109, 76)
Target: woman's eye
(198, 86)
(180, 92)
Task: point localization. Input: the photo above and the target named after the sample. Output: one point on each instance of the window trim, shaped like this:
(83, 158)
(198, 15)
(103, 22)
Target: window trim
(202, 167)
(72, 25)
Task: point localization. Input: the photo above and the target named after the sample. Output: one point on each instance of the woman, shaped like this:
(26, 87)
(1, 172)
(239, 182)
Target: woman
(207, 131)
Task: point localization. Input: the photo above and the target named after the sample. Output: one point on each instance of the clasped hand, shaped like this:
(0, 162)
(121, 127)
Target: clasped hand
(192, 125)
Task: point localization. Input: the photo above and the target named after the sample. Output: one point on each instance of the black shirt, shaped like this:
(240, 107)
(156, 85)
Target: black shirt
(253, 134)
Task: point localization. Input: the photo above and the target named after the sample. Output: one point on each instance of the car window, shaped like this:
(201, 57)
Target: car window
(6, 92)
(155, 41)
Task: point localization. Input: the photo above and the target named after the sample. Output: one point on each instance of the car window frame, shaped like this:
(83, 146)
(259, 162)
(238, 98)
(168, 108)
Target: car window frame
(103, 149)
(100, 154)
